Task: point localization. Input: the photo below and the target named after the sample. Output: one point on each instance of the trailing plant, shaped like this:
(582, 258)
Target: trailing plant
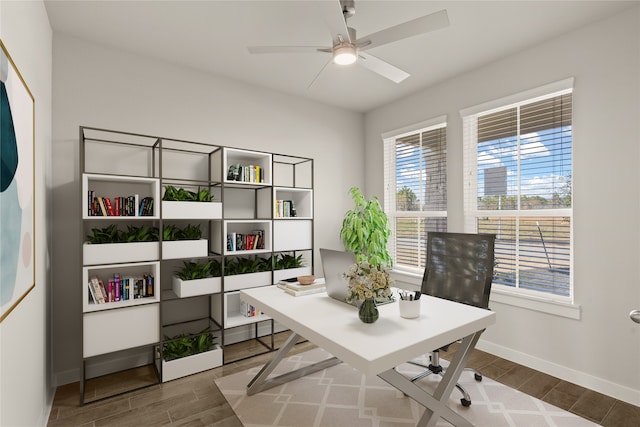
(286, 261)
(183, 345)
(193, 270)
(365, 230)
(172, 193)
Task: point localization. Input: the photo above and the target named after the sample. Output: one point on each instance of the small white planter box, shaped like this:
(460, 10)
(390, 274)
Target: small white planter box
(279, 275)
(184, 249)
(191, 288)
(191, 210)
(184, 366)
(110, 253)
(244, 281)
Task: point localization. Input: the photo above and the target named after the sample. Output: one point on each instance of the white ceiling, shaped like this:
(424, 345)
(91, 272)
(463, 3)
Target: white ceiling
(213, 36)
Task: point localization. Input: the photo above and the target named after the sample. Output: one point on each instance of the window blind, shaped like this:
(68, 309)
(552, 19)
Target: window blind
(518, 185)
(415, 192)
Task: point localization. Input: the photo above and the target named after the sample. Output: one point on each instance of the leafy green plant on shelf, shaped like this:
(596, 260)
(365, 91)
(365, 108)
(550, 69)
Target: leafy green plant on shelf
(172, 232)
(240, 265)
(174, 194)
(144, 233)
(285, 261)
(184, 345)
(194, 270)
(112, 234)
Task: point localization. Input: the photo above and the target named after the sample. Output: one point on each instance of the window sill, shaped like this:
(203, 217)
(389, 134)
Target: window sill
(568, 310)
(412, 281)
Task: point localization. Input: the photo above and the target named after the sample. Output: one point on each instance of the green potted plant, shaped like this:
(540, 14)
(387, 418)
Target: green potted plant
(365, 230)
(183, 242)
(185, 354)
(246, 272)
(182, 203)
(197, 278)
(111, 244)
(286, 265)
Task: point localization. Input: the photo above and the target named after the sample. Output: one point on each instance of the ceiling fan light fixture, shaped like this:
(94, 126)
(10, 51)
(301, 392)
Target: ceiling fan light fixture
(344, 55)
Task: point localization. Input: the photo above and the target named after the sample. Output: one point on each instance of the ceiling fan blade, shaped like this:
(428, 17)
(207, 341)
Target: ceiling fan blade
(381, 67)
(287, 49)
(333, 17)
(319, 72)
(424, 24)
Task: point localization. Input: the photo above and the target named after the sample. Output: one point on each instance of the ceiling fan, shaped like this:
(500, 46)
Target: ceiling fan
(347, 49)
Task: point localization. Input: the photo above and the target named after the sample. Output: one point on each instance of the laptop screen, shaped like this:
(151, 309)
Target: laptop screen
(335, 264)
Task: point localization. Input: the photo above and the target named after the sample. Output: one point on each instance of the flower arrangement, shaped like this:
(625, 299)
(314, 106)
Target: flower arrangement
(368, 281)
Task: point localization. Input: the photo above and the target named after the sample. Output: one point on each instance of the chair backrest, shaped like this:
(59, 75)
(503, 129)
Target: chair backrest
(459, 267)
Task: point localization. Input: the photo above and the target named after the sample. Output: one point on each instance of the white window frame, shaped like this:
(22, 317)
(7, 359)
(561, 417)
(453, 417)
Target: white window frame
(413, 274)
(559, 305)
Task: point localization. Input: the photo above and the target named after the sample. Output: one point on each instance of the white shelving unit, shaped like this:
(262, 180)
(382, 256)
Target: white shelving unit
(246, 186)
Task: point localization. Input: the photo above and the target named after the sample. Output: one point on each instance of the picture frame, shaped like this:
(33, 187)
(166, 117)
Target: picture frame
(17, 186)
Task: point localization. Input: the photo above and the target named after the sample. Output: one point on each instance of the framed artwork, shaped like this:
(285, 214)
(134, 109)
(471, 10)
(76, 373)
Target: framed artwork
(17, 186)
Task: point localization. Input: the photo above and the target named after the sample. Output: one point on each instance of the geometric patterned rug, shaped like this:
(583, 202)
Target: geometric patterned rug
(342, 396)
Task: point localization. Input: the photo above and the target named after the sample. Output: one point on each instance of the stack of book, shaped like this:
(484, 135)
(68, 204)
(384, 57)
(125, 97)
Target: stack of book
(293, 287)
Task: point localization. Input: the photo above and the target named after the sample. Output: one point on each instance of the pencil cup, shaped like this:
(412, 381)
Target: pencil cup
(409, 309)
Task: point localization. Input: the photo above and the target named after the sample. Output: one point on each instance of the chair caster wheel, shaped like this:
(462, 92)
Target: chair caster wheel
(478, 377)
(466, 403)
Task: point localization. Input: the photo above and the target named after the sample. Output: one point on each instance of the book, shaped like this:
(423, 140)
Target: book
(304, 292)
(103, 209)
(107, 203)
(296, 286)
(116, 287)
(97, 293)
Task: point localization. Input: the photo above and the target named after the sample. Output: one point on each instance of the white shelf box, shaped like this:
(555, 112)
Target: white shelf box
(243, 227)
(125, 271)
(114, 330)
(288, 273)
(192, 288)
(231, 315)
(189, 365)
(247, 158)
(191, 210)
(176, 249)
(290, 235)
(301, 198)
(244, 281)
(112, 186)
(111, 253)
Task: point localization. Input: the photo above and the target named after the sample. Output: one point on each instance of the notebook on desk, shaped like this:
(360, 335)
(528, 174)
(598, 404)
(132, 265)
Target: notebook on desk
(334, 265)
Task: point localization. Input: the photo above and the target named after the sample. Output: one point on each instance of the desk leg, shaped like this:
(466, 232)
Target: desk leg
(261, 381)
(436, 404)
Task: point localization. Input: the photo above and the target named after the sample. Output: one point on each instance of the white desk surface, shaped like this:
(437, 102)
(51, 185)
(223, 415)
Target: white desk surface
(376, 347)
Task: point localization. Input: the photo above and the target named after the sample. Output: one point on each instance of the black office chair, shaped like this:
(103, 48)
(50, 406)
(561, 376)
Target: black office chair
(459, 268)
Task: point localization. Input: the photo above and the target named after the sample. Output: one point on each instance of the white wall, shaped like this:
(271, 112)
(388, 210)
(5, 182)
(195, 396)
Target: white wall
(26, 391)
(602, 349)
(97, 86)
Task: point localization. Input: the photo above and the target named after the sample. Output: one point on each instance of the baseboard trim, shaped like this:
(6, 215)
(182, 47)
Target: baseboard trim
(565, 373)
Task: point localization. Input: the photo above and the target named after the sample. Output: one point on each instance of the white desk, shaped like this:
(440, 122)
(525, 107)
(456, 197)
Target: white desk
(374, 348)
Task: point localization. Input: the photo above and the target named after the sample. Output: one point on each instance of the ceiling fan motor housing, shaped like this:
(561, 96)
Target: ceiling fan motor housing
(348, 8)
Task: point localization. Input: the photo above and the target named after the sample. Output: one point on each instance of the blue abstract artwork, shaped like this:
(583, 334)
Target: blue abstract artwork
(17, 228)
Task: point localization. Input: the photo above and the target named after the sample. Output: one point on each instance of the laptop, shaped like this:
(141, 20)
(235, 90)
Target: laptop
(334, 265)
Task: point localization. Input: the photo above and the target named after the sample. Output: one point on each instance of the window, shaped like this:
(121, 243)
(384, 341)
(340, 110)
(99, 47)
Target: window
(518, 170)
(415, 197)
